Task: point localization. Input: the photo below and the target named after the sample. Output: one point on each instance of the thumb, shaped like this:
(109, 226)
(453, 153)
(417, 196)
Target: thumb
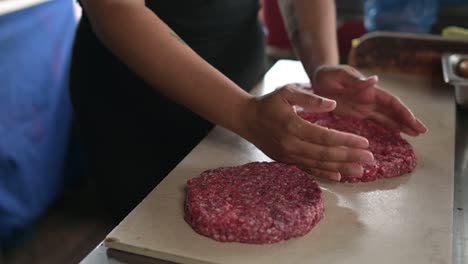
(308, 101)
(361, 82)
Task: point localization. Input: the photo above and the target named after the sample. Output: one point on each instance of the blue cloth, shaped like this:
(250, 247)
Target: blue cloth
(35, 112)
(416, 16)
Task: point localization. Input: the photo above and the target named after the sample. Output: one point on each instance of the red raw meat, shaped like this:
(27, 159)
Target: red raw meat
(394, 156)
(259, 203)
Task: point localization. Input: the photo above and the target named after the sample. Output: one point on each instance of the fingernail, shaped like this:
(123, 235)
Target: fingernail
(367, 157)
(327, 103)
(373, 77)
(422, 125)
(363, 142)
(336, 177)
(356, 171)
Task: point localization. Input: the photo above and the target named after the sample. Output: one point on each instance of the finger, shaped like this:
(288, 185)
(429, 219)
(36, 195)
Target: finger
(331, 175)
(409, 131)
(331, 154)
(308, 101)
(386, 121)
(363, 82)
(330, 137)
(402, 112)
(393, 124)
(302, 86)
(418, 126)
(344, 168)
(421, 126)
(413, 132)
(356, 79)
(305, 86)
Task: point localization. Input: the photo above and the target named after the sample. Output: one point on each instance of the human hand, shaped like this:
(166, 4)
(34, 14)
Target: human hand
(361, 97)
(274, 127)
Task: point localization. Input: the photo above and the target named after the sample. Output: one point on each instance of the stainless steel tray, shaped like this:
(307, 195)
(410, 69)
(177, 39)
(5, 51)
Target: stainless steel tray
(449, 65)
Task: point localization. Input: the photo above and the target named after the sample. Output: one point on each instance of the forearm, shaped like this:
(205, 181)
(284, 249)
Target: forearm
(311, 25)
(153, 51)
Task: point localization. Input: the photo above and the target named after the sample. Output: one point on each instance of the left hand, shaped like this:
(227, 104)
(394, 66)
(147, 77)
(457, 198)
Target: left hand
(270, 122)
(361, 97)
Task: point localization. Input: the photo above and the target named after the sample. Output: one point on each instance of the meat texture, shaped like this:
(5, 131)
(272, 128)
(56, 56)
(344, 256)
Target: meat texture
(393, 155)
(259, 203)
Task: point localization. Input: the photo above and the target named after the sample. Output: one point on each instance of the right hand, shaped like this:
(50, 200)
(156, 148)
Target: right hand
(361, 97)
(274, 127)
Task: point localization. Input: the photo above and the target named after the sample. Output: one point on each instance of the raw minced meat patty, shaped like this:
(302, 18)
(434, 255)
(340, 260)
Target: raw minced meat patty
(260, 203)
(393, 155)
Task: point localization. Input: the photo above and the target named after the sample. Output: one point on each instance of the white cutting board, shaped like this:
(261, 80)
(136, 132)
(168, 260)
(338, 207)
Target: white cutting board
(402, 220)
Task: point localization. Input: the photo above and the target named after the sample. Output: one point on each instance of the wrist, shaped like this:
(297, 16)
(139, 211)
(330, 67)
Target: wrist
(313, 66)
(314, 72)
(243, 114)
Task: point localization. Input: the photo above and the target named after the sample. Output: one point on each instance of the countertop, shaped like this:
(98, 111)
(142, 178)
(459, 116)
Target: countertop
(460, 200)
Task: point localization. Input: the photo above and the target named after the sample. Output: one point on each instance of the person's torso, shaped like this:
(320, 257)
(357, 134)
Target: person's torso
(198, 20)
(211, 27)
(223, 32)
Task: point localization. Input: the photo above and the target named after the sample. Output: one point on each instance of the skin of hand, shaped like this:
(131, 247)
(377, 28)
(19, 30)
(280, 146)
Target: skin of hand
(275, 128)
(361, 97)
(311, 26)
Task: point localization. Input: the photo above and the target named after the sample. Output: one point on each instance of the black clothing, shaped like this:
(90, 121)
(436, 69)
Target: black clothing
(132, 135)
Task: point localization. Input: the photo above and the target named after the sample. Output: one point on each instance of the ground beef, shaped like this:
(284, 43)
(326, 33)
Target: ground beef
(394, 156)
(260, 203)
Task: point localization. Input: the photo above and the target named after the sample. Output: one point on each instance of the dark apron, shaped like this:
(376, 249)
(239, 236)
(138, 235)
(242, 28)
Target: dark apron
(133, 136)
